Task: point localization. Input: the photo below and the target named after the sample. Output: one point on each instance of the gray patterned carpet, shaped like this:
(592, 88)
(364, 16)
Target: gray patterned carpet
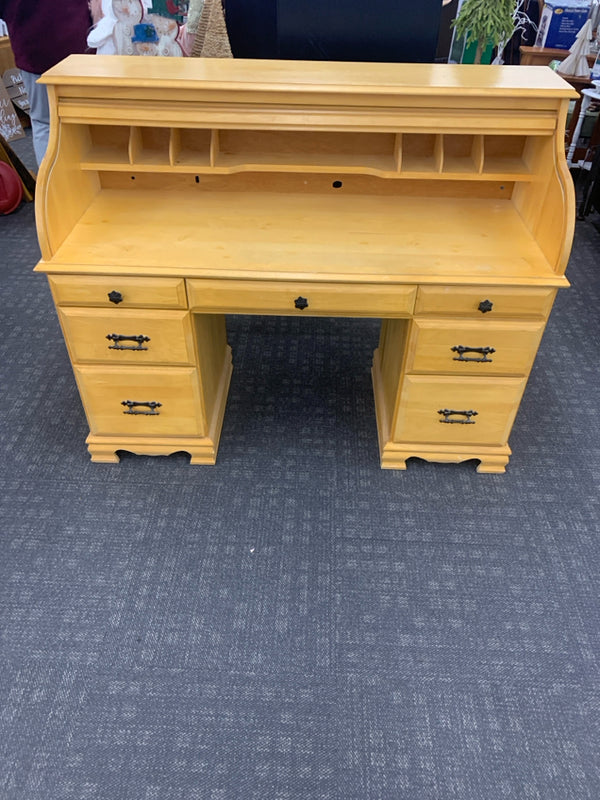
(295, 623)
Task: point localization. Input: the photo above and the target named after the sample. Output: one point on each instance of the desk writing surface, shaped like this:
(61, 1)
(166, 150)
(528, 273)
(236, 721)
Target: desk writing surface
(310, 236)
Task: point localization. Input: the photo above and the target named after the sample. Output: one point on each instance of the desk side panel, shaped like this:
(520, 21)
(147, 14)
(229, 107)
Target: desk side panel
(547, 204)
(63, 191)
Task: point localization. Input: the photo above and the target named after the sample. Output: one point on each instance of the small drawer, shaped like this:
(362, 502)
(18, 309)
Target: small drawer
(128, 336)
(465, 347)
(118, 292)
(487, 302)
(148, 401)
(308, 299)
(448, 410)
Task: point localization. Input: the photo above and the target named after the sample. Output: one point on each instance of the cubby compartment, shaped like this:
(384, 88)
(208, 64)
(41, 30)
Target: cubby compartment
(190, 147)
(149, 145)
(421, 153)
(505, 155)
(106, 144)
(357, 151)
(463, 154)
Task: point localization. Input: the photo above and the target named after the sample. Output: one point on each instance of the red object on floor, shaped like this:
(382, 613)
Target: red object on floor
(11, 189)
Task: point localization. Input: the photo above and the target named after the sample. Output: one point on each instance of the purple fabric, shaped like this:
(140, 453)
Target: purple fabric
(42, 33)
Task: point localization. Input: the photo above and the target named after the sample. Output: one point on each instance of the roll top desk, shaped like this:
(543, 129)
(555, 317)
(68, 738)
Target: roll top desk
(433, 197)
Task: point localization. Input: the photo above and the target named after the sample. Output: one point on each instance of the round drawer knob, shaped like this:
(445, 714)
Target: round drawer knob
(485, 305)
(115, 297)
(301, 303)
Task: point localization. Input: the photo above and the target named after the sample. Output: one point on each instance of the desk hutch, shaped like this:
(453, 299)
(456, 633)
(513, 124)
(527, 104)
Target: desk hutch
(433, 197)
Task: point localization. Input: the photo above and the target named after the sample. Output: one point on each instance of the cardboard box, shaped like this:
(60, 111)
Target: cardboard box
(560, 23)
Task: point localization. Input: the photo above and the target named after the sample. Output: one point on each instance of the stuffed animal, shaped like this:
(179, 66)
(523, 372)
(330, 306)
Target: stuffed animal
(115, 25)
(168, 32)
(128, 14)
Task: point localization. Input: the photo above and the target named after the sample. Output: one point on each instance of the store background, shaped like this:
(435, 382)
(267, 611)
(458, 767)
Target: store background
(294, 623)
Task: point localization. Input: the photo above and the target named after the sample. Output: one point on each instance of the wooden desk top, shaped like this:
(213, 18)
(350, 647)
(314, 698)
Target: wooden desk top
(308, 76)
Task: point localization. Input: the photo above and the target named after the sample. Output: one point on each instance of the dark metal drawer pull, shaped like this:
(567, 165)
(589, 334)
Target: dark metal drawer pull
(115, 297)
(448, 412)
(301, 303)
(485, 306)
(117, 337)
(132, 405)
(461, 350)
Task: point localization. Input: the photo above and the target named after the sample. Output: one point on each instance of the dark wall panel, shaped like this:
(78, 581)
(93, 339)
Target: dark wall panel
(355, 30)
(334, 30)
(252, 28)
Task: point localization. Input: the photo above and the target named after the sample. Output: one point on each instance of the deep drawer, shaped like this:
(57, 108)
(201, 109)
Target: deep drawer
(484, 302)
(475, 348)
(94, 290)
(423, 398)
(163, 337)
(104, 390)
(301, 298)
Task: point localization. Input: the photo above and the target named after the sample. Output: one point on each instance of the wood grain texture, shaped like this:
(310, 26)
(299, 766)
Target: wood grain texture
(411, 193)
(250, 75)
(169, 336)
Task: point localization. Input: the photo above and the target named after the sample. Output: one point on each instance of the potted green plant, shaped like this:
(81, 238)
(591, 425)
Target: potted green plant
(487, 22)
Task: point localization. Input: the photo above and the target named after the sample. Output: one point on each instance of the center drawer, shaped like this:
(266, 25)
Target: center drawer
(128, 336)
(299, 298)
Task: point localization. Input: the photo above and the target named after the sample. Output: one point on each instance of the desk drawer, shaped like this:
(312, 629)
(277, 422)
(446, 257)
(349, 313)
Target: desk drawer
(422, 398)
(94, 290)
(175, 391)
(301, 298)
(165, 337)
(465, 347)
(465, 301)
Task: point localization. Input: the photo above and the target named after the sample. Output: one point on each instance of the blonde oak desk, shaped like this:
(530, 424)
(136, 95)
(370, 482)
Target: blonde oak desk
(434, 197)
